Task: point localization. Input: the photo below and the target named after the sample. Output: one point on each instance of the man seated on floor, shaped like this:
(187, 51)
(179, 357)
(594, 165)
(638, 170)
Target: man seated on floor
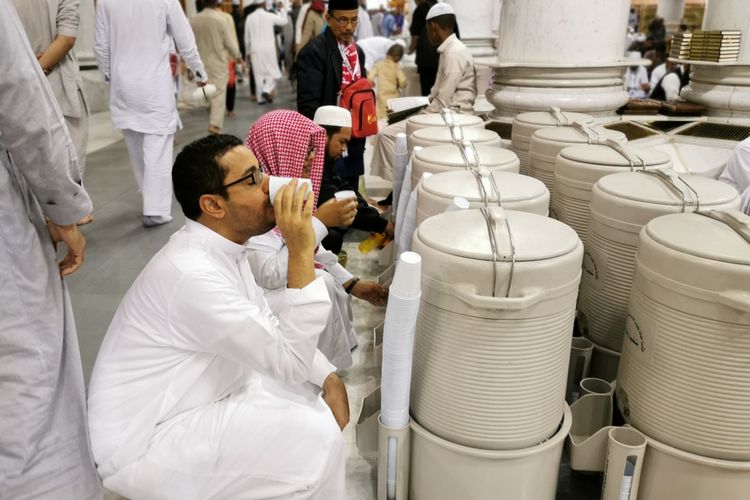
(455, 86)
(199, 391)
(337, 123)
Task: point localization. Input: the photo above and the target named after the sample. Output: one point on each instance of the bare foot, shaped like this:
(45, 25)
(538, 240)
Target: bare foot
(213, 129)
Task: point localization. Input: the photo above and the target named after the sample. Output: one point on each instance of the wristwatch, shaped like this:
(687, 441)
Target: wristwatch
(352, 283)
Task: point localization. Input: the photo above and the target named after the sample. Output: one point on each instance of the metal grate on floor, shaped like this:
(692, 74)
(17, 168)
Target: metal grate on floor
(721, 131)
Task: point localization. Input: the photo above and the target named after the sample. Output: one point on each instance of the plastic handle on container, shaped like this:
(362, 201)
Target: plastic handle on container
(457, 134)
(558, 116)
(447, 115)
(590, 133)
(670, 179)
(626, 153)
(530, 297)
(736, 299)
(739, 227)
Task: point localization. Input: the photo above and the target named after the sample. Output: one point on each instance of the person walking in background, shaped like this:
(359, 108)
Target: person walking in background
(142, 97)
(51, 27)
(44, 445)
(313, 23)
(364, 29)
(260, 41)
(390, 78)
(217, 45)
(427, 54)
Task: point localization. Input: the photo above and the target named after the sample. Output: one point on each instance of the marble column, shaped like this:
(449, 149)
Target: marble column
(476, 21)
(724, 87)
(566, 53)
(94, 88)
(671, 11)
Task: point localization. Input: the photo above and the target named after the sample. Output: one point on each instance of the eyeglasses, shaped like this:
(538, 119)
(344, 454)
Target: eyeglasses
(255, 176)
(344, 21)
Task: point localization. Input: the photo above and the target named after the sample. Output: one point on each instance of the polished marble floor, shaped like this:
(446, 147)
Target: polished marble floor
(119, 247)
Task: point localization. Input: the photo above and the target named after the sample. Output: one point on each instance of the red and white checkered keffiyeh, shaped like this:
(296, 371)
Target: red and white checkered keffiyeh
(281, 140)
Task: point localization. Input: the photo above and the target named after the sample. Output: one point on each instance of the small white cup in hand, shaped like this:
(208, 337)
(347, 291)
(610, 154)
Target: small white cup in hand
(205, 93)
(275, 183)
(345, 195)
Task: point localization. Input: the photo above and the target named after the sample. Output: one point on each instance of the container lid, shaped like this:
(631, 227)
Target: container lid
(651, 187)
(464, 233)
(512, 187)
(551, 119)
(703, 236)
(597, 154)
(576, 136)
(436, 120)
(443, 134)
(450, 154)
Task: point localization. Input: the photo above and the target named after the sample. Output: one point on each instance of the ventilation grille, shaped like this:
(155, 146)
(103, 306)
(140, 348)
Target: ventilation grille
(721, 131)
(631, 130)
(500, 128)
(667, 125)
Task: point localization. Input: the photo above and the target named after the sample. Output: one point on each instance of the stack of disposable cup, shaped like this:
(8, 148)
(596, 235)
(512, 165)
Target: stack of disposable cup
(398, 348)
(408, 222)
(400, 160)
(403, 194)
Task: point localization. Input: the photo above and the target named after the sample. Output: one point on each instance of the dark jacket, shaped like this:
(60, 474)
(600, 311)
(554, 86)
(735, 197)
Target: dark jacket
(319, 77)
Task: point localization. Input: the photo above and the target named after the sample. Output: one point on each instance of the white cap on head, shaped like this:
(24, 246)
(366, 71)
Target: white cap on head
(439, 9)
(333, 116)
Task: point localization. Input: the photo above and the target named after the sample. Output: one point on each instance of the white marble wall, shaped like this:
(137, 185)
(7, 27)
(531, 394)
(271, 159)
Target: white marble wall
(478, 24)
(671, 11)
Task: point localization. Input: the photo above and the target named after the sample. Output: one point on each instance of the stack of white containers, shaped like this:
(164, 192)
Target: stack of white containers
(435, 136)
(445, 119)
(684, 377)
(452, 157)
(513, 191)
(525, 124)
(621, 204)
(546, 143)
(492, 349)
(579, 167)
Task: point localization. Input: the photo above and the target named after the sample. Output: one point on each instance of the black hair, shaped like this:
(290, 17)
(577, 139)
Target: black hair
(446, 22)
(331, 130)
(210, 4)
(197, 171)
(395, 50)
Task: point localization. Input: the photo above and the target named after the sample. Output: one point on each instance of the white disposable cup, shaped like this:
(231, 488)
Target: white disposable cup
(347, 194)
(205, 93)
(275, 183)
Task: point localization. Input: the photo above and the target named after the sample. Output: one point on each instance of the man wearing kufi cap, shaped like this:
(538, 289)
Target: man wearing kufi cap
(338, 122)
(455, 86)
(327, 65)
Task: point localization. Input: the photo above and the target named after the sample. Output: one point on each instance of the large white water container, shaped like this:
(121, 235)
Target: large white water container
(427, 120)
(546, 143)
(435, 136)
(493, 335)
(516, 192)
(621, 204)
(579, 167)
(451, 157)
(525, 124)
(684, 375)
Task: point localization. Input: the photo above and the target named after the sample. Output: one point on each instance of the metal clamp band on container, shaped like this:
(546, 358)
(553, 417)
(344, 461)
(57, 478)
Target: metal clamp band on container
(628, 154)
(457, 134)
(669, 181)
(479, 174)
(591, 134)
(558, 116)
(736, 225)
(447, 116)
(467, 149)
(492, 216)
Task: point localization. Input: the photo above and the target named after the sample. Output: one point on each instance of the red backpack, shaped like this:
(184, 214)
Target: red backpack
(359, 98)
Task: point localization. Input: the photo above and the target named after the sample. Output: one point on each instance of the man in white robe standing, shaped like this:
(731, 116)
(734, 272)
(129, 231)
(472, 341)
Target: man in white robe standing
(132, 44)
(260, 44)
(199, 390)
(737, 173)
(44, 445)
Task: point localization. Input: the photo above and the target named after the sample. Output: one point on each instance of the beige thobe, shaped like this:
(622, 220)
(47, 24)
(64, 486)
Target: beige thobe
(216, 42)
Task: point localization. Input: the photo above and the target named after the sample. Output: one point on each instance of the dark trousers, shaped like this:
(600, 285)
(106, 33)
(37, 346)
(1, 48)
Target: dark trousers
(231, 93)
(351, 167)
(427, 77)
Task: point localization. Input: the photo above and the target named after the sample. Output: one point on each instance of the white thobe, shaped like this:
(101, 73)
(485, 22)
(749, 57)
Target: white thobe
(364, 28)
(199, 391)
(269, 261)
(633, 81)
(132, 45)
(375, 49)
(656, 75)
(44, 448)
(300, 21)
(260, 44)
(455, 88)
(737, 173)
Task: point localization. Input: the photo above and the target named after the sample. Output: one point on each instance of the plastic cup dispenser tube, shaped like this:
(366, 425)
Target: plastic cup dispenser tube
(626, 448)
(591, 385)
(580, 358)
(398, 349)
(400, 159)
